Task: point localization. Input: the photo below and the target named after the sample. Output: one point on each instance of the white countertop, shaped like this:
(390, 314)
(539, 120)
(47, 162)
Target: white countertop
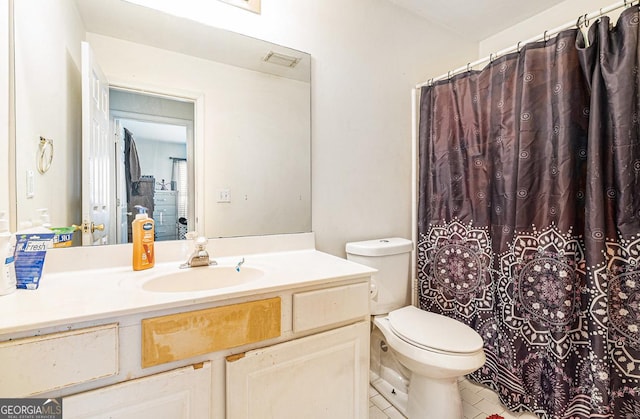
(84, 295)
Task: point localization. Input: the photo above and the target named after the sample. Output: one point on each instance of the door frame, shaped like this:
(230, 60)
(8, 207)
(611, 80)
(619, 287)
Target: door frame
(195, 168)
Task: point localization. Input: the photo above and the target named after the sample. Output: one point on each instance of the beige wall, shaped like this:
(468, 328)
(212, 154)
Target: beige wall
(247, 139)
(4, 106)
(564, 12)
(47, 36)
(367, 55)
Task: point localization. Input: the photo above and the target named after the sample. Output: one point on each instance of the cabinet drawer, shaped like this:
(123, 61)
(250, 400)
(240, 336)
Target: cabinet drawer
(182, 393)
(161, 214)
(165, 230)
(42, 363)
(184, 335)
(329, 306)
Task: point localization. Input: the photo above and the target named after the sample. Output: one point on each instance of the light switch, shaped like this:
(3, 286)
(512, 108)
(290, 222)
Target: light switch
(30, 184)
(224, 195)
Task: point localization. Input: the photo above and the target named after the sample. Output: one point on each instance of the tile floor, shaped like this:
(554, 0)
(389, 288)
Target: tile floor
(478, 402)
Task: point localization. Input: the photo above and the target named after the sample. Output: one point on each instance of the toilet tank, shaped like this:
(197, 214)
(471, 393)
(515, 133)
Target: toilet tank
(391, 285)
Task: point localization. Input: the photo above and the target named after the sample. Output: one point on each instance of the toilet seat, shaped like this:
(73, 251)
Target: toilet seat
(434, 332)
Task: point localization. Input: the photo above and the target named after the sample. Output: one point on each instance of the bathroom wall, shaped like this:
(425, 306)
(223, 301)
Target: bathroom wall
(245, 135)
(563, 12)
(367, 56)
(48, 35)
(4, 105)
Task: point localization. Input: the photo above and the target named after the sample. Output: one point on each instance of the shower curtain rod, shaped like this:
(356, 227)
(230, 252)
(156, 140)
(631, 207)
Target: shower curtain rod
(584, 19)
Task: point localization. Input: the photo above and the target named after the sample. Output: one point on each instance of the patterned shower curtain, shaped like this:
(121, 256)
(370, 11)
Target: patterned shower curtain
(529, 219)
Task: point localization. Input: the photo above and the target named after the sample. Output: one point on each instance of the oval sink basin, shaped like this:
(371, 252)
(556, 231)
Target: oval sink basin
(202, 279)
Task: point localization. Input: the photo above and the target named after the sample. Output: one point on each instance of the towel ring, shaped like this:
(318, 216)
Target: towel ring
(45, 155)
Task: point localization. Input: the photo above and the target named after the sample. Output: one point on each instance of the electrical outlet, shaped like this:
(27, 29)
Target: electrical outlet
(224, 195)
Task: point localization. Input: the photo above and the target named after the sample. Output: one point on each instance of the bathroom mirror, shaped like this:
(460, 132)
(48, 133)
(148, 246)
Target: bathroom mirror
(249, 160)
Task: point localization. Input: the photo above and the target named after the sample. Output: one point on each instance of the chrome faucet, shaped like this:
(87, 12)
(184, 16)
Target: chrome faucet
(200, 256)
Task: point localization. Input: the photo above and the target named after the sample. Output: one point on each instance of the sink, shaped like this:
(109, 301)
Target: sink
(202, 279)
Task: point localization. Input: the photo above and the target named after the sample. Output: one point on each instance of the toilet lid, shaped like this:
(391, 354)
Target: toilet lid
(434, 331)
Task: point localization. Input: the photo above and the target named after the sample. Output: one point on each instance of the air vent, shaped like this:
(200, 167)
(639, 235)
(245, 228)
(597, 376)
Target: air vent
(281, 59)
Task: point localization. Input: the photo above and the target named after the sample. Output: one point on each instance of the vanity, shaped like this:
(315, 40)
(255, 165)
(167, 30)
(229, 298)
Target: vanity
(288, 337)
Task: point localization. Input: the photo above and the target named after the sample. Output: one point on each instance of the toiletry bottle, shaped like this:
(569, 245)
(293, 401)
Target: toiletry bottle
(43, 218)
(7, 270)
(143, 234)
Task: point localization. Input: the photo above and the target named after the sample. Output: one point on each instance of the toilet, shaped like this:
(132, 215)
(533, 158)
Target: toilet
(416, 356)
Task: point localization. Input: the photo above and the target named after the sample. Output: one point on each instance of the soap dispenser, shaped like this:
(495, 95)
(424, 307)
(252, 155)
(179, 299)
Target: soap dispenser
(143, 235)
(7, 271)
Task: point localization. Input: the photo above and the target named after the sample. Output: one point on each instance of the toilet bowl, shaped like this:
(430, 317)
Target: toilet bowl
(416, 356)
(436, 350)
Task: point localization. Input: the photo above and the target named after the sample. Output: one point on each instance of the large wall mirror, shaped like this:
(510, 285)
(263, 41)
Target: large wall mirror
(234, 110)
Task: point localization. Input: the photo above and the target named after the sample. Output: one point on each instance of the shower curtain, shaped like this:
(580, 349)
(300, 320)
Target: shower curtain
(529, 219)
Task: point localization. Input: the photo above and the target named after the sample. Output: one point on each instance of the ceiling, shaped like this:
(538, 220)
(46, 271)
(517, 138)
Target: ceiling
(145, 25)
(476, 19)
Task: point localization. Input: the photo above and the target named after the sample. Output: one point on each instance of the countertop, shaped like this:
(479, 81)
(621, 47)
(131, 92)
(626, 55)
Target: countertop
(91, 294)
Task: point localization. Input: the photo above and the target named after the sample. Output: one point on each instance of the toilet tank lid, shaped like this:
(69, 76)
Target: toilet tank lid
(380, 247)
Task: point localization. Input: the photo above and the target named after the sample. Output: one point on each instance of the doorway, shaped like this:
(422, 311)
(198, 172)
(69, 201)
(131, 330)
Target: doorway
(154, 162)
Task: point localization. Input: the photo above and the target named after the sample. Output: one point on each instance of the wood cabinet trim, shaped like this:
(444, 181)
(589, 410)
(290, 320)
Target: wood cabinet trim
(184, 335)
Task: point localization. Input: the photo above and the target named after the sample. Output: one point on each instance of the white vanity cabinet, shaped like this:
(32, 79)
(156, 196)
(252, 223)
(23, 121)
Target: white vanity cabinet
(296, 349)
(323, 375)
(37, 364)
(184, 393)
(316, 377)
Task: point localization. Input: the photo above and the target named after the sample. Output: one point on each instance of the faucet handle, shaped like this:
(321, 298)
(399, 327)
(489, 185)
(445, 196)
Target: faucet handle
(201, 242)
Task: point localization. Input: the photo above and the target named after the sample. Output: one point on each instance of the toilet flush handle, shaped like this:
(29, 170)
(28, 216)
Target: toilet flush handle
(373, 289)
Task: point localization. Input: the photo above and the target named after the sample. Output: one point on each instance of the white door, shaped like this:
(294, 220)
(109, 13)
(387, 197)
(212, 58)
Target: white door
(184, 393)
(121, 227)
(316, 377)
(97, 152)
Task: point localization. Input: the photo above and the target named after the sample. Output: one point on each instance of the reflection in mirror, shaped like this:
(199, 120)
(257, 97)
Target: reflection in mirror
(250, 152)
(153, 135)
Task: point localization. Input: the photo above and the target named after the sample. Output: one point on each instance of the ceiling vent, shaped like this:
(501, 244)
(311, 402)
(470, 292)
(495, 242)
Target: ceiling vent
(281, 59)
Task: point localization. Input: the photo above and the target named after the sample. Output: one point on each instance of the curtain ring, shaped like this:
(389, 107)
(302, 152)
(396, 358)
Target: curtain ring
(468, 67)
(518, 46)
(430, 82)
(586, 21)
(544, 37)
(491, 57)
(449, 75)
(580, 18)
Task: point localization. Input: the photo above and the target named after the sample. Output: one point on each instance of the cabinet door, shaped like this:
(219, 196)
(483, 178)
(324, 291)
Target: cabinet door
(319, 376)
(181, 393)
